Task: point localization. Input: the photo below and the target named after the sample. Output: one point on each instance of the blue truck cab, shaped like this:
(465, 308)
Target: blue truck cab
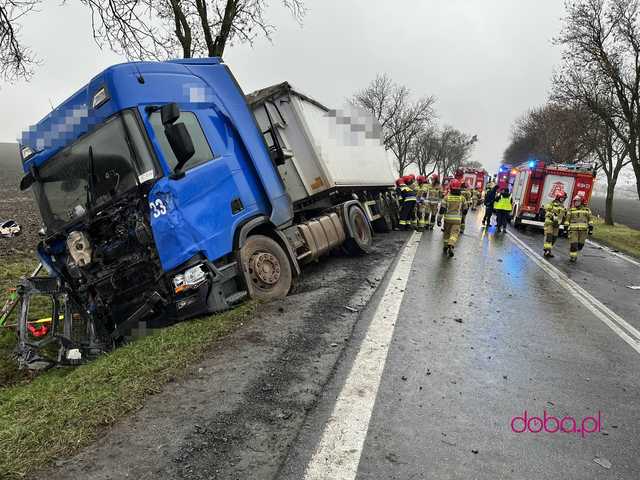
(150, 180)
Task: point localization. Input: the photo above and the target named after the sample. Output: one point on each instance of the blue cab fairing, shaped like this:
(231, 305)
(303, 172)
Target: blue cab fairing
(200, 212)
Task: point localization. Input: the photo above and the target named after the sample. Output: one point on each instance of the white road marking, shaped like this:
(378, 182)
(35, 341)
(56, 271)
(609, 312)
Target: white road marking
(609, 250)
(620, 326)
(338, 453)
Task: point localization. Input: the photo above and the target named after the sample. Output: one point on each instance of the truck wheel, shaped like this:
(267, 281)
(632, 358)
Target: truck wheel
(362, 239)
(385, 223)
(266, 268)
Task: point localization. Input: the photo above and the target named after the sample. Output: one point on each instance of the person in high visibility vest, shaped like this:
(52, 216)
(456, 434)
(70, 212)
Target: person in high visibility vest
(451, 209)
(579, 220)
(422, 198)
(407, 212)
(554, 214)
(503, 207)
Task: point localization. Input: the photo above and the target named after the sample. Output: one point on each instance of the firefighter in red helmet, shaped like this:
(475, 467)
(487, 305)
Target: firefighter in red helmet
(579, 221)
(407, 212)
(451, 208)
(434, 196)
(554, 214)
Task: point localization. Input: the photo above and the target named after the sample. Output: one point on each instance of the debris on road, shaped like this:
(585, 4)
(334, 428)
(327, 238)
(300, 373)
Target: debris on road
(475, 452)
(459, 320)
(634, 287)
(603, 462)
(351, 309)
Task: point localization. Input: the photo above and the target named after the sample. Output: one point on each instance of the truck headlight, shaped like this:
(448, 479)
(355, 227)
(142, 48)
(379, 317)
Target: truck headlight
(191, 278)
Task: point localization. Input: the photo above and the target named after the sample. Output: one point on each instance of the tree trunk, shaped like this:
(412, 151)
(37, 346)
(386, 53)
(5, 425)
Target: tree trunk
(608, 204)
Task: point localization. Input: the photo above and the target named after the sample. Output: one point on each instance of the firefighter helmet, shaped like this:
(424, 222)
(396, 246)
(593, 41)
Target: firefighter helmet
(407, 179)
(412, 177)
(399, 181)
(421, 179)
(435, 177)
(455, 184)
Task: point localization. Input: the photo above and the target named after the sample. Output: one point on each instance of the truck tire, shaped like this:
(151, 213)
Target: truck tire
(362, 239)
(385, 223)
(266, 268)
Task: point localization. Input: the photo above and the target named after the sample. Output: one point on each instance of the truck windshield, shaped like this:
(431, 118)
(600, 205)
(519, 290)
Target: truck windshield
(65, 192)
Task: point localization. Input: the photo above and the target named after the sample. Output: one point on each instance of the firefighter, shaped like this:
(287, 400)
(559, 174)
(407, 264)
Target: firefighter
(451, 208)
(422, 199)
(468, 198)
(407, 212)
(475, 198)
(503, 207)
(434, 196)
(580, 224)
(553, 217)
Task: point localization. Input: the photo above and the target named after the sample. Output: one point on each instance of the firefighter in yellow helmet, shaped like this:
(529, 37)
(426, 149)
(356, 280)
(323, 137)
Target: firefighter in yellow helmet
(553, 218)
(451, 208)
(580, 223)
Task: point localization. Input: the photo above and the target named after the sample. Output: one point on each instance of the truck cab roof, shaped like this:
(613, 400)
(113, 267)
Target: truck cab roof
(114, 89)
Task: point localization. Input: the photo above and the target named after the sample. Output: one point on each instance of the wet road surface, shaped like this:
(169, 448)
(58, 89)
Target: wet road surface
(476, 341)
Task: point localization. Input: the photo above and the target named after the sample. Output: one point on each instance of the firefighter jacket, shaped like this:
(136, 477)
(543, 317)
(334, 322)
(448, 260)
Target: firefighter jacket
(503, 203)
(554, 213)
(475, 194)
(423, 192)
(467, 197)
(452, 207)
(579, 219)
(407, 194)
(434, 194)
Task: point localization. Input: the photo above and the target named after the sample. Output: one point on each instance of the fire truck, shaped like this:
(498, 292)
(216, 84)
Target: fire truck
(506, 177)
(536, 184)
(473, 178)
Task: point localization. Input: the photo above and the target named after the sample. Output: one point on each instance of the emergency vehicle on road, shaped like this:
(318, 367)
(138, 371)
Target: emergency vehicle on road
(536, 184)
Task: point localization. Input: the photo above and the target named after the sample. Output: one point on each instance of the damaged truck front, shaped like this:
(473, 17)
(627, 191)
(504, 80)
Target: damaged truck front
(161, 201)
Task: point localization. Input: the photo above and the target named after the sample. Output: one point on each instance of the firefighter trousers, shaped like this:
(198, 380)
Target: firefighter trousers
(451, 232)
(551, 233)
(408, 214)
(576, 241)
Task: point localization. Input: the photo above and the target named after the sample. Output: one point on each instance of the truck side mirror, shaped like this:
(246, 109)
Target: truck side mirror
(177, 136)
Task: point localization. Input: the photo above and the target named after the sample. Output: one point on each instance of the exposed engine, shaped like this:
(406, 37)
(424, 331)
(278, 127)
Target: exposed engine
(111, 264)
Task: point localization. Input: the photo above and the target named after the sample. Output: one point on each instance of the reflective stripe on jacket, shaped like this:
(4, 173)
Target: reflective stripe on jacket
(434, 194)
(504, 204)
(408, 195)
(453, 205)
(554, 213)
(579, 218)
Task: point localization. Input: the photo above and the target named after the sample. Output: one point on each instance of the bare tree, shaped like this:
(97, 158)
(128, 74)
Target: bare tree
(161, 29)
(601, 54)
(16, 59)
(402, 120)
(454, 149)
(552, 133)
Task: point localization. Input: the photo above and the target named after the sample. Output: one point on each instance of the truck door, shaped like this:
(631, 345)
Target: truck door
(555, 184)
(199, 212)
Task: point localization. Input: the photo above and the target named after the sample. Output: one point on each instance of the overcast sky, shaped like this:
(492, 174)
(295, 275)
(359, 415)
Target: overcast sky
(486, 61)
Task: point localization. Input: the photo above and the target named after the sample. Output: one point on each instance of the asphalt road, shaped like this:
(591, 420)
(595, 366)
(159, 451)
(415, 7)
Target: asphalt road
(625, 210)
(475, 342)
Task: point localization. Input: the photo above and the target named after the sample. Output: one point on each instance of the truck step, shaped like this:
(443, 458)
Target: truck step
(237, 297)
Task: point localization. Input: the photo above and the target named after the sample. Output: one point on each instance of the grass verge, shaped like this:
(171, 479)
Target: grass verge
(63, 409)
(619, 237)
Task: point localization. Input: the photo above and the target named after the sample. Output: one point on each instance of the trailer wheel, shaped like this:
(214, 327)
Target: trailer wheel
(362, 239)
(266, 268)
(385, 223)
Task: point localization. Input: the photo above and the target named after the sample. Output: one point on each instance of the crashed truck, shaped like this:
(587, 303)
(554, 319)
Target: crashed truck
(167, 194)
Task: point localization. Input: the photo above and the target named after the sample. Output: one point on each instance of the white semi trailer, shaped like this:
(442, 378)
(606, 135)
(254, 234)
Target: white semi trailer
(330, 156)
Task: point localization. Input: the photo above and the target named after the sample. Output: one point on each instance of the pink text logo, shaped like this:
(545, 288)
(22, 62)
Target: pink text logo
(550, 424)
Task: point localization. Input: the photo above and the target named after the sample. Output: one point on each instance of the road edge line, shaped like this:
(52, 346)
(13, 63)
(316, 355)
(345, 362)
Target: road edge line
(337, 454)
(608, 249)
(620, 326)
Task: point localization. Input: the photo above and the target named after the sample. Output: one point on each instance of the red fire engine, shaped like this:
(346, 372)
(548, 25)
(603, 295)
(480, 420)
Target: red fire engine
(473, 178)
(535, 185)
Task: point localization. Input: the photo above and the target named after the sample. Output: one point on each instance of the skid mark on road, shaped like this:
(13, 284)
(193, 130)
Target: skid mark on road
(338, 452)
(614, 321)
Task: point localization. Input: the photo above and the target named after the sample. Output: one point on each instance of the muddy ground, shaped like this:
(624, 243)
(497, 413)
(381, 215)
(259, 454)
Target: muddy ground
(20, 207)
(238, 412)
